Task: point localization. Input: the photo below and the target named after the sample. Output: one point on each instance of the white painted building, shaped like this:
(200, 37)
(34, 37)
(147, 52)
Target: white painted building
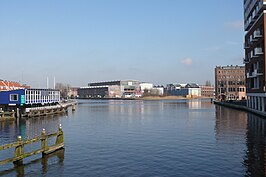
(145, 86)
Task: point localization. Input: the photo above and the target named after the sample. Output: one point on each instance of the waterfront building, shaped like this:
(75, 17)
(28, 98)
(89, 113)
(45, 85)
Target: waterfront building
(207, 91)
(145, 86)
(72, 92)
(26, 98)
(254, 25)
(105, 91)
(159, 90)
(188, 90)
(230, 82)
(111, 89)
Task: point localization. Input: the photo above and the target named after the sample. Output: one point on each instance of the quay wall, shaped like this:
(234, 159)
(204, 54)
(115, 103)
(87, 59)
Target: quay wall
(240, 107)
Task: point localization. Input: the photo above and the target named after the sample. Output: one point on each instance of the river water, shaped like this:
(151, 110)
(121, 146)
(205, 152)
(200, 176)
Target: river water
(144, 139)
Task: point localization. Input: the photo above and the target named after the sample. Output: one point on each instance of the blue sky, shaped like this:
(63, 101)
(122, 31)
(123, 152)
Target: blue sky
(81, 41)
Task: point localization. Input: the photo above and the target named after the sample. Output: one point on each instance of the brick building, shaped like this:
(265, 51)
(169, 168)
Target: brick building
(230, 83)
(207, 91)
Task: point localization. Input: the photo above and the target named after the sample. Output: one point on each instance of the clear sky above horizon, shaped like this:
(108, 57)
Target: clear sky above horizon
(81, 41)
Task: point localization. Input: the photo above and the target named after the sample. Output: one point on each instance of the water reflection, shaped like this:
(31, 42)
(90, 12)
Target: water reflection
(134, 138)
(230, 125)
(27, 128)
(20, 170)
(255, 159)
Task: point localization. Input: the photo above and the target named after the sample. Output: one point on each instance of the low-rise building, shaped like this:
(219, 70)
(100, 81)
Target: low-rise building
(207, 91)
(111, 89)
(30, 96)
(73, 92)
(145, 86)
(188, 90)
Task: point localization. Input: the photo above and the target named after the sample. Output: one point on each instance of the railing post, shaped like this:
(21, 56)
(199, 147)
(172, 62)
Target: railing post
(60, 136)
(18, 113)
(13, 114)
(44, 142)
(73, 107)
(19, 152)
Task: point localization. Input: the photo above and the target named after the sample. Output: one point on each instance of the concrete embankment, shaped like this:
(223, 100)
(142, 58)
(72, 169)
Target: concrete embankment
(240, 107)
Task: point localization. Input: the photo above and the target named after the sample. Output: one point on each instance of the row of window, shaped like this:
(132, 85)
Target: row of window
(230, 76)
(222, 83)
(232, 89)
(231, 71)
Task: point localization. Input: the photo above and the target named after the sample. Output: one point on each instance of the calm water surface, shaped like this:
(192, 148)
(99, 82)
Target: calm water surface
(144, 138)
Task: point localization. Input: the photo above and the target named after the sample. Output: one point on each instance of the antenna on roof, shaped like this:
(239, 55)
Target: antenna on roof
(47, 83)
(54, 82)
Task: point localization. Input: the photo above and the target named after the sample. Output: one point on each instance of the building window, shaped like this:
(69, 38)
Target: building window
(14, 97)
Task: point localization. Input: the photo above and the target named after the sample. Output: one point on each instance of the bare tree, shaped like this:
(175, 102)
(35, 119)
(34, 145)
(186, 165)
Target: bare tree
(63, 88)
(208, 83)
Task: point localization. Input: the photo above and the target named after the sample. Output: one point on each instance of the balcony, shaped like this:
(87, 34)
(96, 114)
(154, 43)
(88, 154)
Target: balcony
(246, 46)
(257, 34)
(252, 12)
(253, 55)
(255, 73)
(245, 60)
(250, 75)
(258, 51)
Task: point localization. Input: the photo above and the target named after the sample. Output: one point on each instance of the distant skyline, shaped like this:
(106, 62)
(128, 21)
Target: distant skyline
(158, 41)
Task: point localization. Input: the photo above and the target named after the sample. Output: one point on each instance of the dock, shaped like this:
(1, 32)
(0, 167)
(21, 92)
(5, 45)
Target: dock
(240, 107)
(61, 108)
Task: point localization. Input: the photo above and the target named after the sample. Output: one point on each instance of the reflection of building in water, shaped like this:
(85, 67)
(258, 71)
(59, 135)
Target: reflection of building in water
(255, 159)
(34, 126)
(230, 124)
(199, 104)
(7, 131)
(30, 128)
(27, 128)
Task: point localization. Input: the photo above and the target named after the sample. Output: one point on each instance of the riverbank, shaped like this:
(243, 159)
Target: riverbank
(171, 98)
(152, 98)
(235, 105)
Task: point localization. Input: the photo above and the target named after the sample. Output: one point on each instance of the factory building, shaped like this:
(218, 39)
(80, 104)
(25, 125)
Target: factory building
(111, 89)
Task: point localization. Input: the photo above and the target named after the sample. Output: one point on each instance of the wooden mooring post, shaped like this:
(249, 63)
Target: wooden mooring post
(19, 154)
(7, 115)
(73, 107)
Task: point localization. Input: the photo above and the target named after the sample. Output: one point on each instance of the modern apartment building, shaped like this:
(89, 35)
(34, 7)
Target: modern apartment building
(230, 82)
(254, 24)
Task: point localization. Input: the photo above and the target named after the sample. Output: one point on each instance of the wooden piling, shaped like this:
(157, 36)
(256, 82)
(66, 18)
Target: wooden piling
(44, 141)
(60, 136)
(73, 107)
(19, 154)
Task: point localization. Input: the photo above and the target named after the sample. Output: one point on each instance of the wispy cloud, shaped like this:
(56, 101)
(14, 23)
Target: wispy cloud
(187, 61)
(235, 25)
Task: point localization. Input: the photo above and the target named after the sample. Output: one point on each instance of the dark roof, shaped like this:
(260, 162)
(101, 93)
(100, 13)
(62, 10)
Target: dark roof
(191, 85)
